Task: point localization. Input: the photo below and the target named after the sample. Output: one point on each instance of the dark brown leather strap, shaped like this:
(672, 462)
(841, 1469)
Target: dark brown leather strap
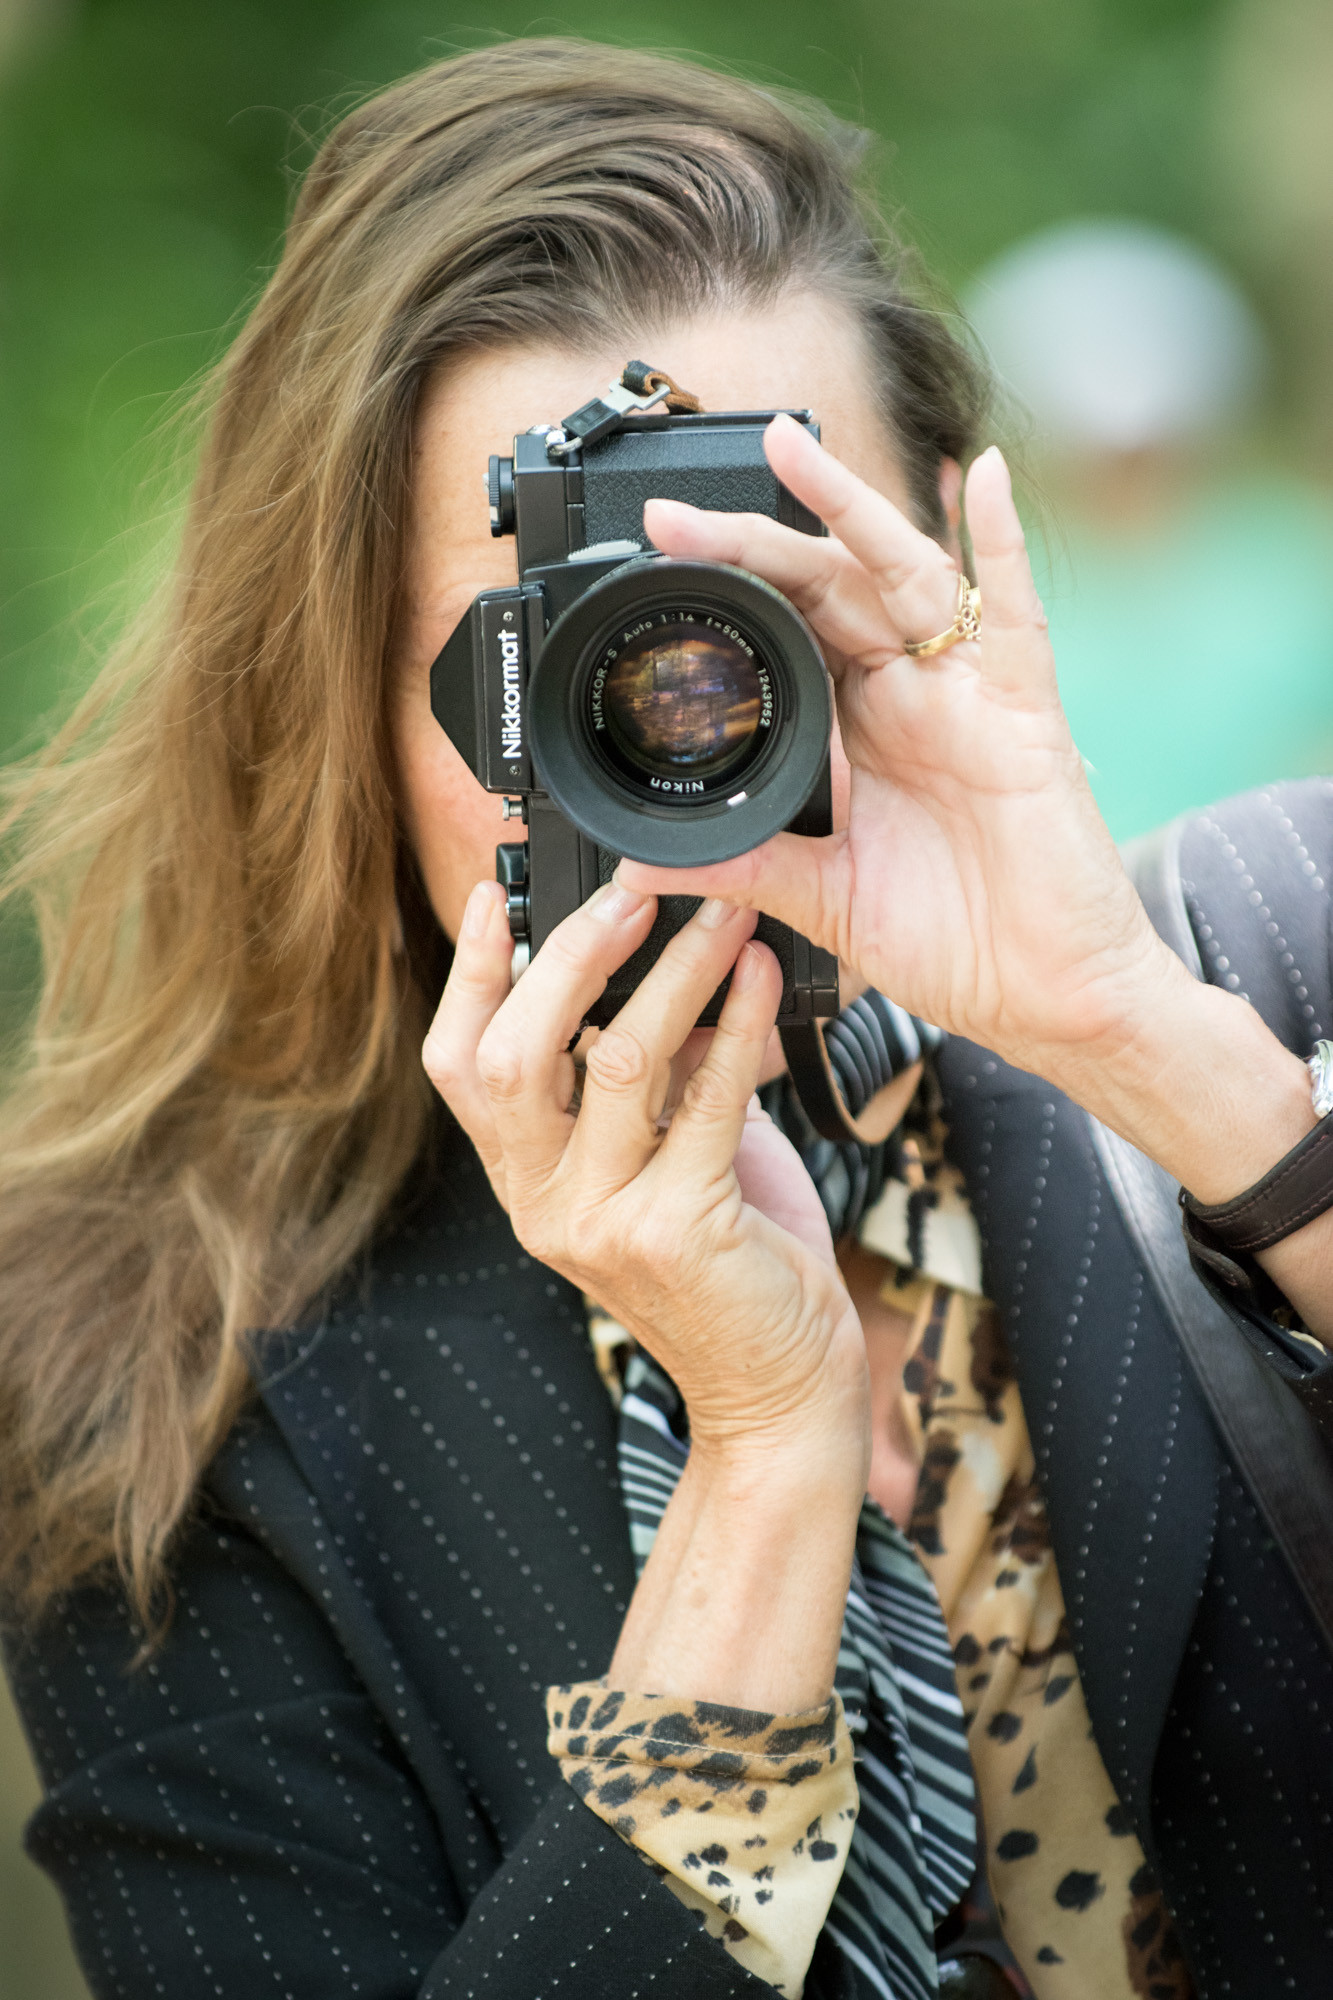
(823, 1102)
(1292, 1193)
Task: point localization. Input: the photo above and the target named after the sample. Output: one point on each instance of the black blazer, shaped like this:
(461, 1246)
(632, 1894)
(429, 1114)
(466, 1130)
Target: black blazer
(333, 1777)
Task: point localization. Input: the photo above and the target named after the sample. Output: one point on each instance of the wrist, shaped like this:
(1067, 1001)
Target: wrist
(813, 1437)
(1195, 1079)
(742, 1598)
(784, 1475)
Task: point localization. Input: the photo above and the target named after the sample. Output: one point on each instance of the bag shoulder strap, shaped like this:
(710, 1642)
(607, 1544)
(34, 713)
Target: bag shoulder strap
(1268, 1434)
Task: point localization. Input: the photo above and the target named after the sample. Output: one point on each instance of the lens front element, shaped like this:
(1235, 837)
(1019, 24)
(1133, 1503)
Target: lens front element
(679, 711)
(678, 699)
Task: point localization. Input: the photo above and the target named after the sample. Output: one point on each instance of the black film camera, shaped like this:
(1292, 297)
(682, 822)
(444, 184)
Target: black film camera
(629, 704)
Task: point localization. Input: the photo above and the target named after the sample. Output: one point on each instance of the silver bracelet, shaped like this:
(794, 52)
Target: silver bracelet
(1320, 1066)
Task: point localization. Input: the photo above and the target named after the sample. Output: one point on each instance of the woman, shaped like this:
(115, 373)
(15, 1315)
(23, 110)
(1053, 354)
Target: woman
(286, 1607)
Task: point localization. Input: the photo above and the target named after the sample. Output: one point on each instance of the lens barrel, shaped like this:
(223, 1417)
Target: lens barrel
(679, 712)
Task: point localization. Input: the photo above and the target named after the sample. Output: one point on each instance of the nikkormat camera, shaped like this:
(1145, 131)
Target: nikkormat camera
(629, 704)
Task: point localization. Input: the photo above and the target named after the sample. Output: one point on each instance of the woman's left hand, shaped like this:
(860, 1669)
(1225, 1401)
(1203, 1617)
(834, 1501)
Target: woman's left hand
(975, 881)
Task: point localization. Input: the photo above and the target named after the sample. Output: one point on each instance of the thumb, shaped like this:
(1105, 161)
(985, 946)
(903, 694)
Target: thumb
(771, 1178)
(790, 877)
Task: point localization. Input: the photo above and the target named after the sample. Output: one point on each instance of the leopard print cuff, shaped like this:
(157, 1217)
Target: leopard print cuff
(746, 1817)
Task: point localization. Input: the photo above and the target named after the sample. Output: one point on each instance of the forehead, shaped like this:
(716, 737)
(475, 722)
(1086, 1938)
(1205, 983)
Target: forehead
(794, 354)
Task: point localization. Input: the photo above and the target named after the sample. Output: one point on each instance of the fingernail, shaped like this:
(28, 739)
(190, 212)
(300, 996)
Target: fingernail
(477, 913)
(712, 913)
(614, 904)
(746, 969)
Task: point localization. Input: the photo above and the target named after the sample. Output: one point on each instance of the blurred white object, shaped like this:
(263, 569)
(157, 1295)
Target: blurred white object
(1118, 336)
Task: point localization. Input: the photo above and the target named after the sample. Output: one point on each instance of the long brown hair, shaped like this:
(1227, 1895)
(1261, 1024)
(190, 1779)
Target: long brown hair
(223, 1088)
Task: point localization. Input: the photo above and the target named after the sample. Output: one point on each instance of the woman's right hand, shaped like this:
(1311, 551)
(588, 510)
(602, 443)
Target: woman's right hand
(750, 1318)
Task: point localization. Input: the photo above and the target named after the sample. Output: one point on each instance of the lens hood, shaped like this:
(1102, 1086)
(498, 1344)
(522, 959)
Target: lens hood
(782, 717)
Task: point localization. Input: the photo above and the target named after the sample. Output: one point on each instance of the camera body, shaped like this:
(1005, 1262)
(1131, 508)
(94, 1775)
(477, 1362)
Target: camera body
(632, 705)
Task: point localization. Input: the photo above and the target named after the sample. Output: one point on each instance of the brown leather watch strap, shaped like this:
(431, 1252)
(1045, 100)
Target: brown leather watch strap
(1294, 1192)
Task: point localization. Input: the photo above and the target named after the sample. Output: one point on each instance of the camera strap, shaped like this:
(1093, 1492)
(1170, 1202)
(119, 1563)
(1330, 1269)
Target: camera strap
(856, 1076)
(639, 387)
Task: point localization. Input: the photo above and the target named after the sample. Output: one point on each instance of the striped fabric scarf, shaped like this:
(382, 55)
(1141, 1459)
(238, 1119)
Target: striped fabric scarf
(870, 1042)
(913, 1852)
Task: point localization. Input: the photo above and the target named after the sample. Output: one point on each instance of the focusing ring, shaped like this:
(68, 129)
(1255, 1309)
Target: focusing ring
(608, 807)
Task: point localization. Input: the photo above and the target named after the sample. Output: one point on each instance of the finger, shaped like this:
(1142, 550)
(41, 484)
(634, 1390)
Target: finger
(523, 1060)
(773, 1180)
(916, 578)
(702, 1138)
(797, 879)
(629, 1066)
(476, 989)
(876, 567)
(1015, 647)
(826, 584)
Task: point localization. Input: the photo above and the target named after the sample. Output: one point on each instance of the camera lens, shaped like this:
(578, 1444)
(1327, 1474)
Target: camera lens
(679, 711)
(682, 700)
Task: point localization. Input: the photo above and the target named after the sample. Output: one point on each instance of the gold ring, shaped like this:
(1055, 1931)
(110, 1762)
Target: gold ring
(966, 624)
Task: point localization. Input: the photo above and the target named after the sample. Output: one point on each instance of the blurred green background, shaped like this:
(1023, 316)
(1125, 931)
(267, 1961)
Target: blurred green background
(147, 154)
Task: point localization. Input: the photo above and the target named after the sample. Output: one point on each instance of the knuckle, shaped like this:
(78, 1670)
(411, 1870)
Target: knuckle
(441, 1066)
(1026, 615)
(708, 1094)
(618, 1061)
(585, 1236)
(657, 1243)
(500, 1065)
(675, 1240)
(821, 589)
(472, 982)
(570, 946)
(538, 1216)
(746, 533)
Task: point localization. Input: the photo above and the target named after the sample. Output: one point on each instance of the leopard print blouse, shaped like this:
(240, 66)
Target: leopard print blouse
(746, 1817)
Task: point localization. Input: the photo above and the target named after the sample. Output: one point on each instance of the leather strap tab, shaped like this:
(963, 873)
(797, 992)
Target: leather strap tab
(1292, 1193)
(822, 1100)
(642, 378)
